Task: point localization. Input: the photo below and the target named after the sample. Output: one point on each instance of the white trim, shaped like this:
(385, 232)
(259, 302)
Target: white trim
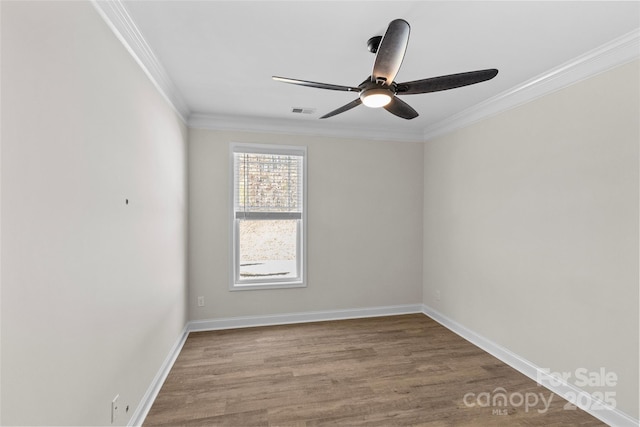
(306, 317)
(614, 53)
(138, 417)
(300, 127)
(117, 17)
(613, 417)
(617, 52)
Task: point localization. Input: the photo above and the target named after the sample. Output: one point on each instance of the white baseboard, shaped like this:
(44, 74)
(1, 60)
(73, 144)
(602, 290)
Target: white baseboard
(586, 402)
(149, 397)
(310, 316)
(137, 418)
(611, 416)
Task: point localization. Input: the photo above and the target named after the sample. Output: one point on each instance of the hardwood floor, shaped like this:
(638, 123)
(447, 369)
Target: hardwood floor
(385, 371)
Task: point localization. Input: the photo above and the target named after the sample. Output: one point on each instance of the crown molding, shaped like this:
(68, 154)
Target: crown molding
(610, 55)
(299, 127)
(117, 17)
(615, 53)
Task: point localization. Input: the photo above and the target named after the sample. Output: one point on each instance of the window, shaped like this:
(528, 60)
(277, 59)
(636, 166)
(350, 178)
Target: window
(268, 216)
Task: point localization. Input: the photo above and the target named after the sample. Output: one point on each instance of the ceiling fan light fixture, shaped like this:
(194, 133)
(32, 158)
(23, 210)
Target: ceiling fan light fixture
(380, 88)
(376, 97)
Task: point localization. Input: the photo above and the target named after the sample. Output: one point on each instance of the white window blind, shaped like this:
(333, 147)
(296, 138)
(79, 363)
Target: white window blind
(268, 185)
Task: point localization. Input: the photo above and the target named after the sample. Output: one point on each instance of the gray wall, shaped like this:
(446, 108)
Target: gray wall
(531, 229)
(93, 290)
(364, 226)
(525, 223)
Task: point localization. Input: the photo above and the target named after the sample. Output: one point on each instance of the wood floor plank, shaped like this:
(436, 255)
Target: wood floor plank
(385, 371)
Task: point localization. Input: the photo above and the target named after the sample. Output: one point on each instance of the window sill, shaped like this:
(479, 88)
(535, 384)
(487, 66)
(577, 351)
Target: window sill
(259, 286)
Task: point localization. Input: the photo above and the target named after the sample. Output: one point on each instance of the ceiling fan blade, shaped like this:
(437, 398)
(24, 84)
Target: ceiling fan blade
(401, 109)
(391, 52)
(316, 84)
(344, 108)
(450, 81)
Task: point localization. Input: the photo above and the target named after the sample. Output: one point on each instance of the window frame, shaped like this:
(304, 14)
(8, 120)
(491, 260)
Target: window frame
(234, 244)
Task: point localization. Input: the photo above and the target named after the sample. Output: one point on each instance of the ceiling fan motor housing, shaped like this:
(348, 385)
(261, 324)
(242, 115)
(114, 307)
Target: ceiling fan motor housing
(373, 43)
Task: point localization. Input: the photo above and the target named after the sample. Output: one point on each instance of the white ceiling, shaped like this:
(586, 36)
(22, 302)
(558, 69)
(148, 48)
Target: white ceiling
(220, 55)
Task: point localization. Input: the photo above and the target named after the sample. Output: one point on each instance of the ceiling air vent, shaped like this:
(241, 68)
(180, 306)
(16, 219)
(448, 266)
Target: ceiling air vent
(300, 110)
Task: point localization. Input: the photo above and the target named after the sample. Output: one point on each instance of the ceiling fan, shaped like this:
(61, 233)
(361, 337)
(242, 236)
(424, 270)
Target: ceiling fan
(380, 90)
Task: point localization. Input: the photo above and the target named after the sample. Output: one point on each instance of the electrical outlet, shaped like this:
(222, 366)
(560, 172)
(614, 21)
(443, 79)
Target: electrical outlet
(200, 301)
(114, 409)
(437, 295)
